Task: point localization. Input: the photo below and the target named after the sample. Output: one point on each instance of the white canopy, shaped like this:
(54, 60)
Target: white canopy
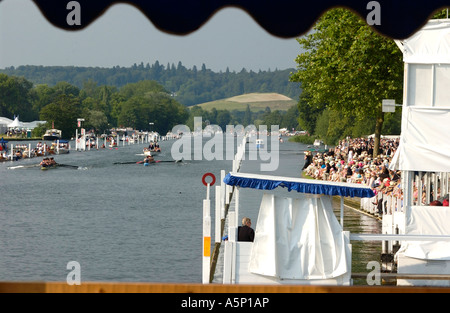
(299, 238)
(15, 123)
(429, 45)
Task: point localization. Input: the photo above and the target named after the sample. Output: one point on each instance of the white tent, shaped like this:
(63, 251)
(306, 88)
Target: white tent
(425, 144)
(16, 123)
(425, 148)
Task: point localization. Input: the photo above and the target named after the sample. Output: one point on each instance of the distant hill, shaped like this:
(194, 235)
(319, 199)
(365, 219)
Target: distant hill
(256, 101)
(189, 86)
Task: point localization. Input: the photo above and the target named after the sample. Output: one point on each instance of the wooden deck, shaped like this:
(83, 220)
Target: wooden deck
(119, 287)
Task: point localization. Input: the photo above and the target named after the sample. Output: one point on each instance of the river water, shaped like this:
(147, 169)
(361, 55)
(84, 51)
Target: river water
(120, 222)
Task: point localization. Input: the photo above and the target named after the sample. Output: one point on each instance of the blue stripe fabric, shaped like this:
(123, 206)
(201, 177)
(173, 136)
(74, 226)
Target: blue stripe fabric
(304, 187)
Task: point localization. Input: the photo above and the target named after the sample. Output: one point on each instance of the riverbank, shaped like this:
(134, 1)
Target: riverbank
(22, 139)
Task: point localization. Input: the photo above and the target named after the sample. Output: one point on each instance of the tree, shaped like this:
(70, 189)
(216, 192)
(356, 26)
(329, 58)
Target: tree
(290, 118)
(223, 118)
(350, 68)
(308, 112)
(96, 120)
(15, 98)
(63, 112)
(247, 116)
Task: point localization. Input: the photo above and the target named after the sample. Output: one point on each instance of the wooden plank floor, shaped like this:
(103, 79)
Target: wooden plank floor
(116, 287)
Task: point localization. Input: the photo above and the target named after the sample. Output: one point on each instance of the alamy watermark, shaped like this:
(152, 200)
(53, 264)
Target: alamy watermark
(221, 144)
(374, 277)
(74, 276)
(374, 16)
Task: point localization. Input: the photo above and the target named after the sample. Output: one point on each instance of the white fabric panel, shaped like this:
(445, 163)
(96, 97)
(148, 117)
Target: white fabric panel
(428, 220)
(298, 238)
(424, 142)
(442, 83)
(420, 83)
(431, 44)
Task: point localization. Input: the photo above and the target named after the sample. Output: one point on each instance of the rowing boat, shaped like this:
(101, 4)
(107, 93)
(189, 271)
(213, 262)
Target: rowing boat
(48, 167)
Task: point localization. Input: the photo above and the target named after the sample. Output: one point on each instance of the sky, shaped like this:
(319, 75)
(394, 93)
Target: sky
(123, 36)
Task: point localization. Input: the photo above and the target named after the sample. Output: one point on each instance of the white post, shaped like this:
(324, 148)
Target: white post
(232, 226)
(206, 241)
(342, 212)
(29, 150)
(12, 150)
(76, 139)
(217, 215)
(57, 146)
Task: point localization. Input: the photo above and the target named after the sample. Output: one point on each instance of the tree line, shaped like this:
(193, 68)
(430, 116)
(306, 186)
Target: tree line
(102, 107)
(283, 119)
(144, 105)
(188, 86)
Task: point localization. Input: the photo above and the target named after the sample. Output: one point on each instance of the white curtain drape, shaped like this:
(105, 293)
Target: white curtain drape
(299, 238)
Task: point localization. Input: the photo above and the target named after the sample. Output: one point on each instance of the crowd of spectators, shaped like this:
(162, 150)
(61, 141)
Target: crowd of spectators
(352, 161)
(20, 133)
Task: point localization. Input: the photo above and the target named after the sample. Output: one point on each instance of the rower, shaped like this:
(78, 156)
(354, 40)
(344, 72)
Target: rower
(45, 162)
(149, 159)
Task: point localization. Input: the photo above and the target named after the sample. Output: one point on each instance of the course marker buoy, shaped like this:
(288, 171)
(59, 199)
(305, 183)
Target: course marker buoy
(210, 175)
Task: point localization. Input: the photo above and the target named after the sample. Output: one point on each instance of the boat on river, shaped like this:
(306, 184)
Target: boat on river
(59, 146)
(52, 134)
(149, 151)
(48, 163)
(259, 143)
(153, 147)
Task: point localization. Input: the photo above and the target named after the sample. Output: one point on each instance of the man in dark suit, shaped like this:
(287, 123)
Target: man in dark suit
(245, 232)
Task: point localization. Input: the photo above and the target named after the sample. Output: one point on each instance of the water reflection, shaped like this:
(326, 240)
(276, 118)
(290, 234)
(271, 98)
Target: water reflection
(362, 251)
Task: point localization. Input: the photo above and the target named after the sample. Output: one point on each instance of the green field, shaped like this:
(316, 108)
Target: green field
(257, 102)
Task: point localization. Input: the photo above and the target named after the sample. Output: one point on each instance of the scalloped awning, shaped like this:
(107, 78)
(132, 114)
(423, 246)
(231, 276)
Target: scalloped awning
(282, 18)
(317, 187)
